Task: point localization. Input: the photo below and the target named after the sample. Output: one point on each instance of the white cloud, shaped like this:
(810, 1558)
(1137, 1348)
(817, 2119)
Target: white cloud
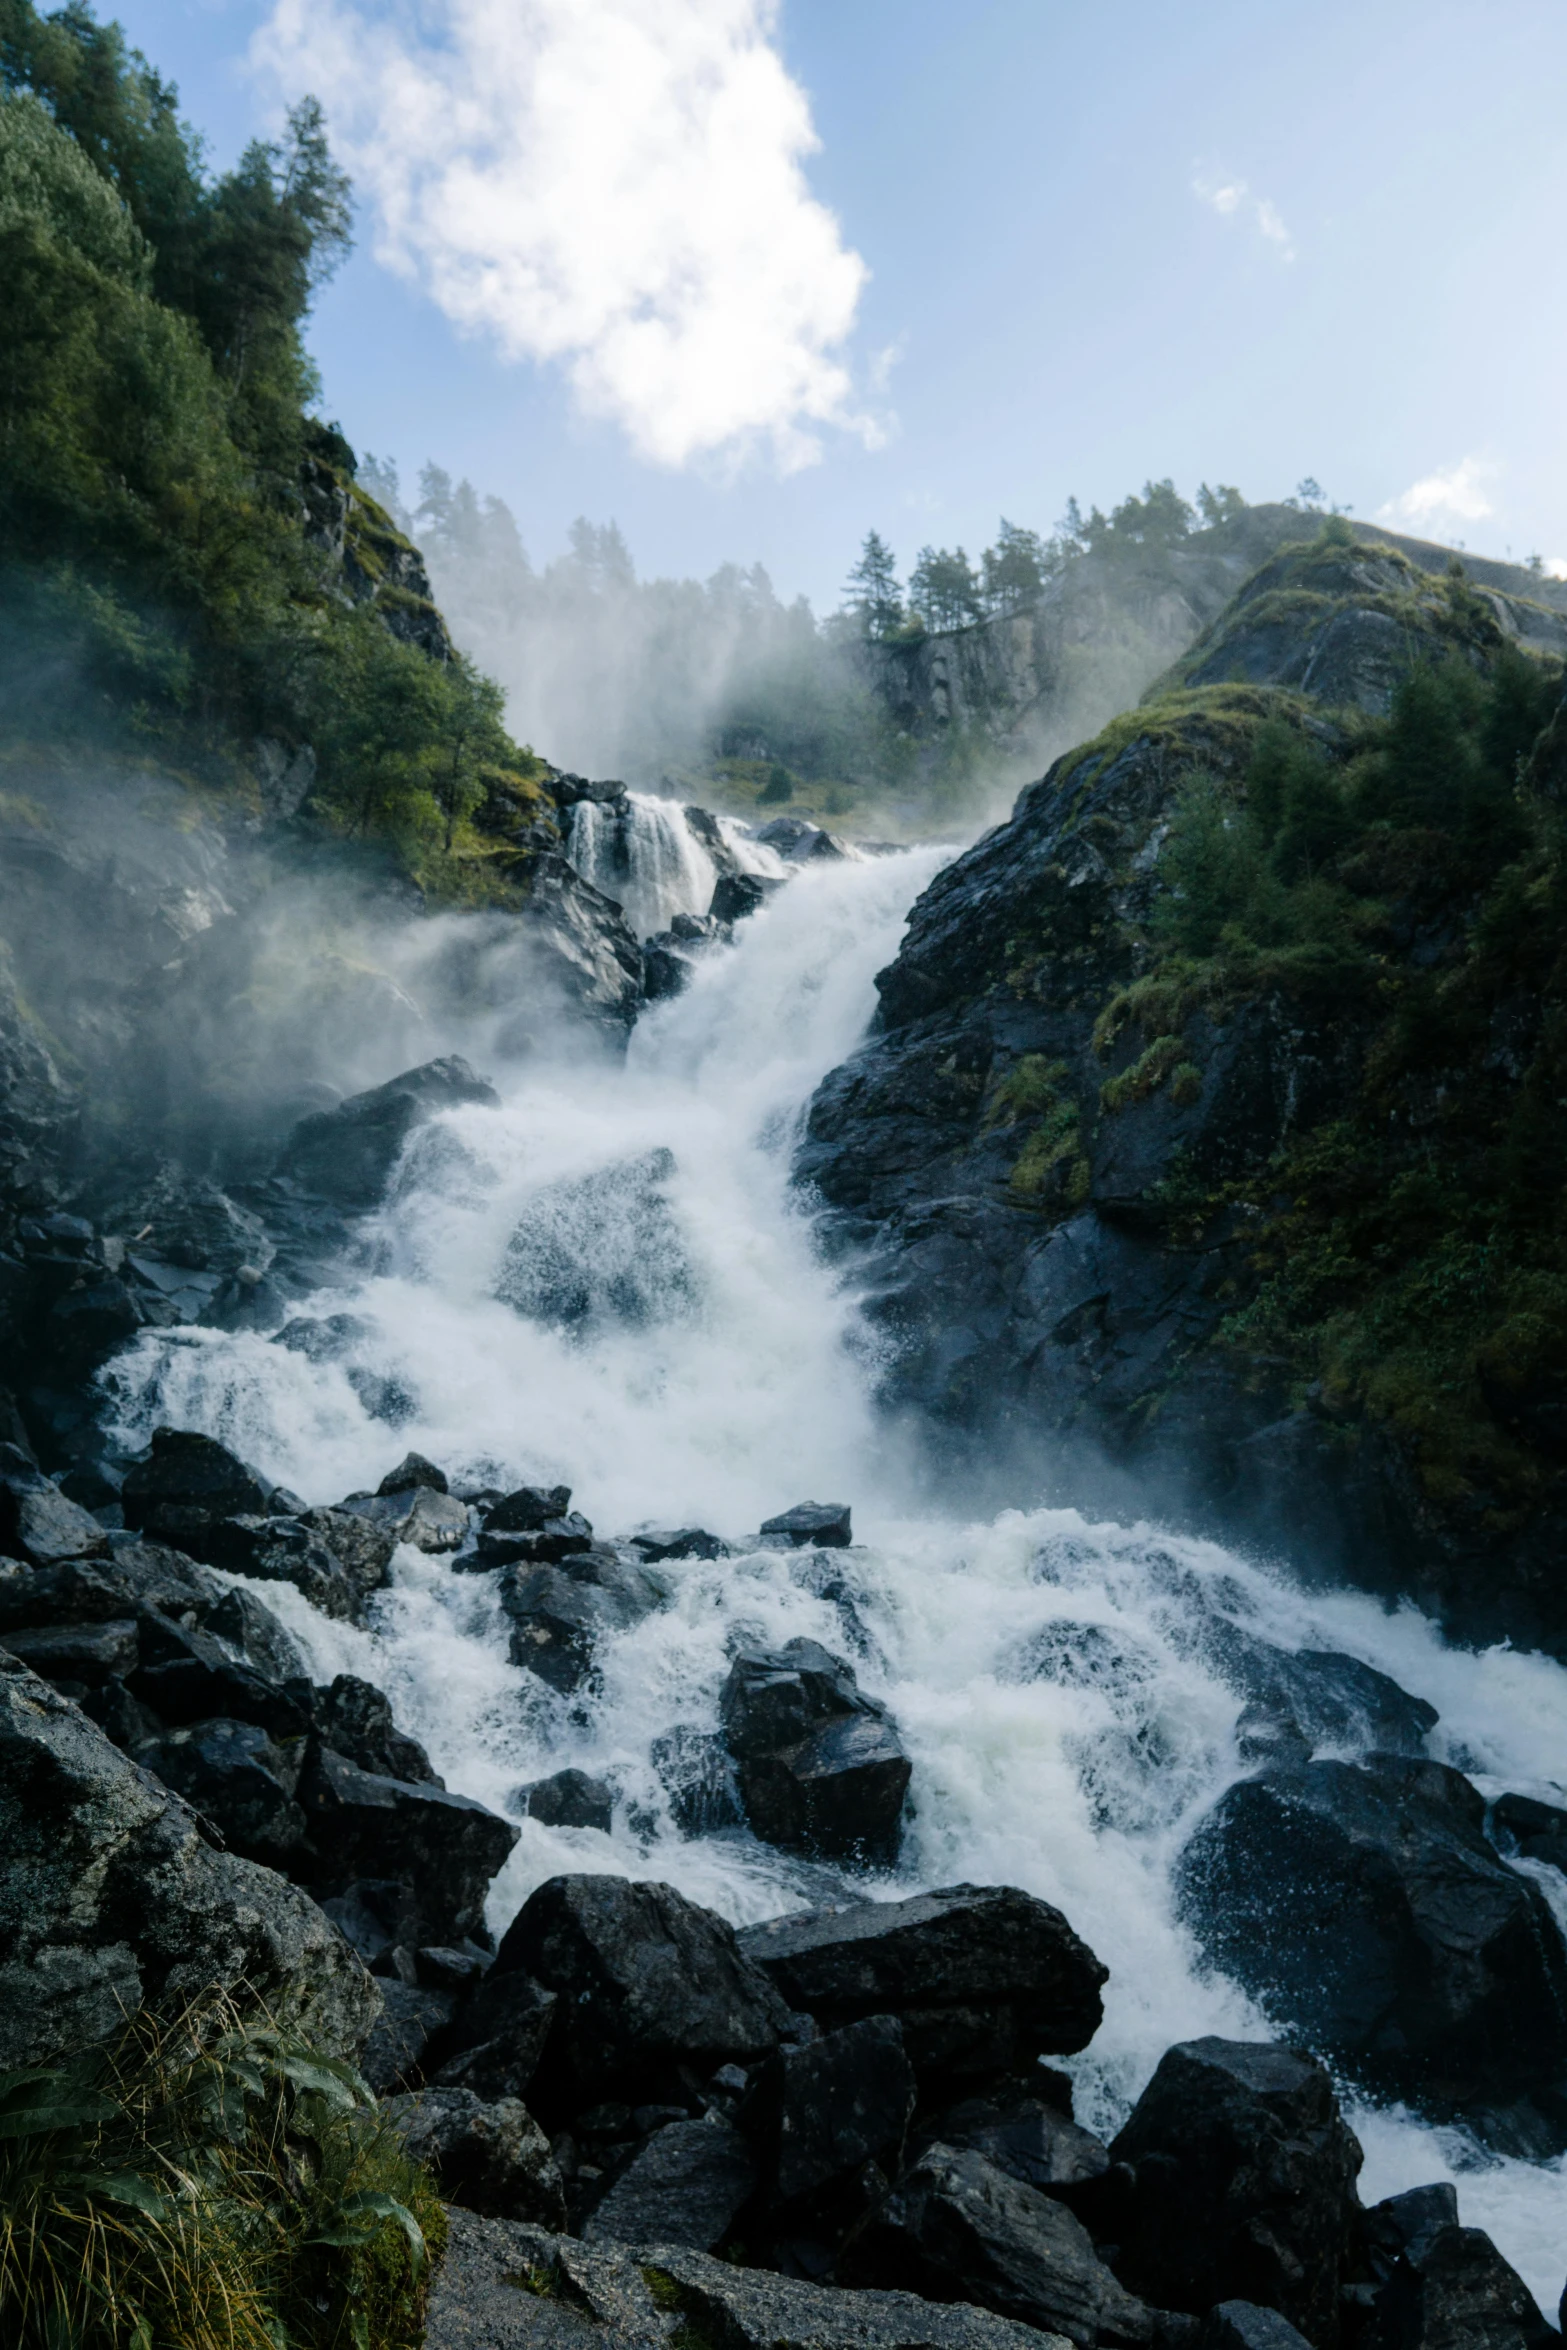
(1442, 500)
(1232, 199)
(612, 185)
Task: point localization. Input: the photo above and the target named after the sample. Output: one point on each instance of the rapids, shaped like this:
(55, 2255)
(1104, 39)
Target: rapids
(677, 1351)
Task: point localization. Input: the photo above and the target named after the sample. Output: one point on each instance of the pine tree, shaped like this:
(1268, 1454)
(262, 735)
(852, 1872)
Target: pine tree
(873, 591)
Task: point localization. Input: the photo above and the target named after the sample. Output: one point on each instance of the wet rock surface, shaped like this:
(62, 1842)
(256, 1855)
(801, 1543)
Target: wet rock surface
(488, 2157)
(1366, 1908)
(687, 2185)
(820, 1765)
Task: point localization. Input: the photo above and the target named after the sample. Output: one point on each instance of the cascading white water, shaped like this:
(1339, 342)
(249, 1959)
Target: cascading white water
(608, 1283)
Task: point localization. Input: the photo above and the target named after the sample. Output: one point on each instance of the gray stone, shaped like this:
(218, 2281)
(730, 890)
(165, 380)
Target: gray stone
(822, 1523)
(821, 2112)
(1242, 2325)
(429, 1520)
(820, 1765)
(569, 1800)
(241, 1780)
(109, 1897)
(1452, 2290)
(960, 2230)
(346, 1154)
(411, 2015)
(77, 1652)
(490, 2158)
(38, 1521)
(687, 2185)
(510, 2287)
(447, 1847)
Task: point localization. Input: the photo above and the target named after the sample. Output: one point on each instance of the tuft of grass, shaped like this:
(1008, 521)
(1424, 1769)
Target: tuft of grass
(205, 2183)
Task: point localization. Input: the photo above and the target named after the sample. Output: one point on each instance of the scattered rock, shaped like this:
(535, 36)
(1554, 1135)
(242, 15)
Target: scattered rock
(77, 1652)
(412, 2015)
(569, 1800)
(647, 1982)
(447, 1847)
(241, 1780)
(957, 2228)
(545, 1544)
(280, 1550)
(412, 1471)
(820, 1765)
(818, 2112)
(38, 1521)
(491, 2158)
(698, 1776)
(429, 1520)
(361, 1547)
(822, 1523)
(110, 1897)
(1450, 2289)
(185, 1484)
(1031, 2141)
(188, 1676)
(1245, 2184)
(1317, 1697)
(687, 1542)
(984, 1978)
(495, 2045)
(737, 895)
(355, 1719)
(1364, 1907)
(346, 1154)
(528, 1509)
(1533, 1830)
(1242, 2325)
(561, 1613)
(687, 2185)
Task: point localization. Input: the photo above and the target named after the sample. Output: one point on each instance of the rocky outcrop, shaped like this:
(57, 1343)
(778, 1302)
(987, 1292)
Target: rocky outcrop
(1056, 1160)
(820, 1765)
(111, 1897)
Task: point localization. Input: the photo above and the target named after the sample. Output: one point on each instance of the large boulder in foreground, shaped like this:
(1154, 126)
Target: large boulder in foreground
(958, 2229)
(505, 2286)
(346, 1154)
(1367, 1911)
(110, 1898)
(1450, 2289)
(647, 1983)
(983, 1978)
(1245, 2184)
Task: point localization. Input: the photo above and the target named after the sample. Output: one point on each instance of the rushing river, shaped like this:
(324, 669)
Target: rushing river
(608, 1284)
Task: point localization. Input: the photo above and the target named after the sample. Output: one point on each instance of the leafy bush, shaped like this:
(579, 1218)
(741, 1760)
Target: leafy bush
(205, 2184)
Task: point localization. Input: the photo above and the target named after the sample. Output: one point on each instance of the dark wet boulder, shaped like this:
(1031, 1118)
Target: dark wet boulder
(420, 1515)
(681, 1542)
(821, 2111)
(495, 2044)
(1450, 2289)
(647, 1982)
(411, 2016)
(686, 2185)
(546, 1544)
(138, 1577)
(1311, 1698)
(570, 1799)
(737, 895)
(1245, 2184)
(1243, 2325)
(698, 1775)
(527, 1509)
(346, 1154)
(447, 1847)
(1532, 1830)
(1366, 1910)
(1032, 2141)
(77, 1652)
(187, 1483)
(240, 1779)
(354, 1718)
(822, 1523)
(559, 1614)
(379, 1916)
(489, 2157)
(362, 1547)
(109, 1897)
(820, 1765)
(958, 2229)
(280, 1550)
(984, 1978)
(189, 1676)
(411, 1472)
(453, 1966)
(38, 1522)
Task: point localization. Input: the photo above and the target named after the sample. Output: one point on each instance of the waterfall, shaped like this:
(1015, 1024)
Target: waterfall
(641, 851)
(609, 1283)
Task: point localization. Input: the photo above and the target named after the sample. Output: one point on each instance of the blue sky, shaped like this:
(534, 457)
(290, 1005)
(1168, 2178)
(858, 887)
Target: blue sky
(1094, 244)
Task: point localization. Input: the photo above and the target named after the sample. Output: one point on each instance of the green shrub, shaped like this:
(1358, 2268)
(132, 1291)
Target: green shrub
(203, 2183)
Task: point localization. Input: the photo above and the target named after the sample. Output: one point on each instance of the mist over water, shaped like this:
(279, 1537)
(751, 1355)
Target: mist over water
(609, 1283)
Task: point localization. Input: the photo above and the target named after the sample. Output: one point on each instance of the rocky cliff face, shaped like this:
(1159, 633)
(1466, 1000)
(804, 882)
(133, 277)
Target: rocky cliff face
(1110, 622)
(1130, 1197)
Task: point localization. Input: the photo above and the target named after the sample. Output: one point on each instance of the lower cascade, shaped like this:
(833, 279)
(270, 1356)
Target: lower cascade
(593, 1320)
